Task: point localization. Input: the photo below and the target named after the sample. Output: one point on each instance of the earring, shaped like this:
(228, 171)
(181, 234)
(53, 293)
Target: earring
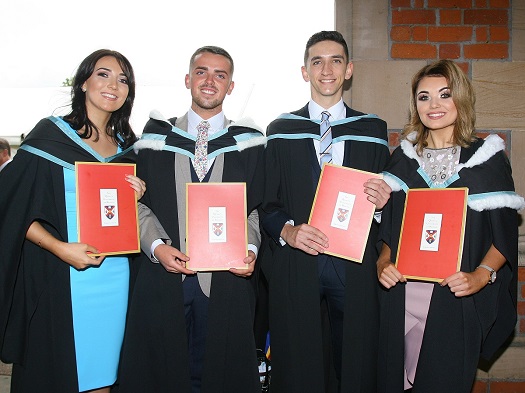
(83, 89)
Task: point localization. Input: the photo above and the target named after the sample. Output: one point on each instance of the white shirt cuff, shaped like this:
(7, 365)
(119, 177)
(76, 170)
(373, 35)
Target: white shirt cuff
(281, 240)
(153, 247)
(253, 247)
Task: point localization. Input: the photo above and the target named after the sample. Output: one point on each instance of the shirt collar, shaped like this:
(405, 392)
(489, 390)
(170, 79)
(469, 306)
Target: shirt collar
(216, 122)
(5, 164)
(337, 111)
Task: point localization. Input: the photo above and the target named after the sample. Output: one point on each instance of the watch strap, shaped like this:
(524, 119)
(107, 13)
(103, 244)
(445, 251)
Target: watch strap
(491, 271)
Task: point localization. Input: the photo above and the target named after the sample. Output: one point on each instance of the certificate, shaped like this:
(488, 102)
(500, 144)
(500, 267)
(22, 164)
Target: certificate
(216, 226)
(431, 241)
(342, 211)
(107, 215)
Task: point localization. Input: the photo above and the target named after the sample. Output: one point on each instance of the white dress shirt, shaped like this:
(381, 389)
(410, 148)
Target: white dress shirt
(337, 112)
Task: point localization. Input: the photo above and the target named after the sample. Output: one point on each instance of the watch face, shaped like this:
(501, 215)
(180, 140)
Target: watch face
(492, 277)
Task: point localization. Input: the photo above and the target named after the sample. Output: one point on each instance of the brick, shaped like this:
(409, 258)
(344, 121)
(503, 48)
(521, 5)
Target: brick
(507, 387)
(419, 4)
(449, 51)
(400, 33)
(414, 51)
(480, 3)
(486, 17)
(482, 34)
(393, 138)
(521, 308)
(449, 34)
(522, 291)
(449, 3)
(521, 274)
(479, 387)
(450, 17)
(400, 3)
(419, 33)
(411, 17)
(465, 67)
(522, 325)
(499, 33)
(499, 3)
(486, 51)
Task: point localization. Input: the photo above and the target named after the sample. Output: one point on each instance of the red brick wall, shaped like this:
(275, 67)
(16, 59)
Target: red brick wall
(462, 30)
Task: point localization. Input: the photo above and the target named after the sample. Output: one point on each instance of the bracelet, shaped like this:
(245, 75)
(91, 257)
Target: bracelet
(492, 272)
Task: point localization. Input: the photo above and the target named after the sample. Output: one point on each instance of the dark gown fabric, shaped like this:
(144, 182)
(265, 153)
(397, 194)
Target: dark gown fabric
(155, 351)
(458, 330)
(36, 327)
(294, 302)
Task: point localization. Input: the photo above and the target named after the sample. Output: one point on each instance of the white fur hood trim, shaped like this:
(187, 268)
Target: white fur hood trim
(256, 141)
(392, 182)
(148, 144)
(493, 144)
(499, 200)
(407, 145)
(246, 122)
(156, 115)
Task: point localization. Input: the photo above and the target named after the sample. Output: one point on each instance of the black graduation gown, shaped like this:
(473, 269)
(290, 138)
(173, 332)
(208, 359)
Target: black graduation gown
(294, 303)
(457, 329)
(36, 328)
(155, 349)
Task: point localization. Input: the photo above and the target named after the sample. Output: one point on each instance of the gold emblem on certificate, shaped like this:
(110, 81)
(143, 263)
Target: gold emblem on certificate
(109, 207)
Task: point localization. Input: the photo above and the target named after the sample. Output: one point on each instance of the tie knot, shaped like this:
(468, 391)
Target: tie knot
(203, 126)
(325, 115)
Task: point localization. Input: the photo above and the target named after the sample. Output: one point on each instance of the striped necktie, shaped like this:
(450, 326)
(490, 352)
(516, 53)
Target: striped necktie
(200, 162)
(325, 148)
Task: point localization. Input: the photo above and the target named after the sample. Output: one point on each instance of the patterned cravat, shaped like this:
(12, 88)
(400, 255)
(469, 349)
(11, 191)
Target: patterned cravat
(325, 148)
(200, 162)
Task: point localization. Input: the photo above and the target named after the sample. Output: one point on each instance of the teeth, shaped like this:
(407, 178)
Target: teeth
(435, 115)
(208, 91)
(109, 95)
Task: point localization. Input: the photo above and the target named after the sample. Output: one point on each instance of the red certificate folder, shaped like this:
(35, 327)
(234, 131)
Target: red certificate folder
(432, 232)
(342, 211)
(216, 226)
(107, 216)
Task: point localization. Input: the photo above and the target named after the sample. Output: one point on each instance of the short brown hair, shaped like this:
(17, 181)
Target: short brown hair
(216, 50)
(4, 145)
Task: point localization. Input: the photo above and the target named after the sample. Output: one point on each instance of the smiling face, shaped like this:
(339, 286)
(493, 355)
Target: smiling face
(326, 69)
(210, 80)
(106, 89)
(435, 106)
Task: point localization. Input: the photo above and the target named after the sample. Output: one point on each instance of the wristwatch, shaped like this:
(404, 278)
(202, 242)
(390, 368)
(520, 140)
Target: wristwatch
(492, 273)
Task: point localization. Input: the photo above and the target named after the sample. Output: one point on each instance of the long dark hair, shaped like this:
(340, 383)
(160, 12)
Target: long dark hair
(118, 126)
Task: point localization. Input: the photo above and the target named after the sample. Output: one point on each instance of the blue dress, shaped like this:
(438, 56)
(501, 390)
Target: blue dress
(99, 297)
